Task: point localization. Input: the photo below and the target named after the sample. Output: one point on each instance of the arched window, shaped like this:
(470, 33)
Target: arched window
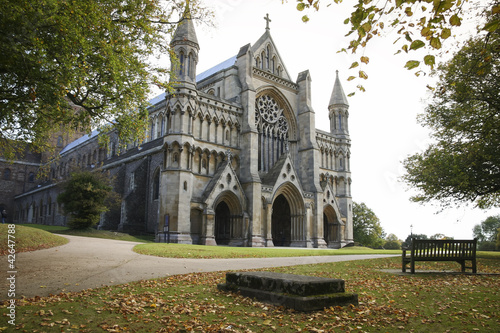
(31, 177)
(162, 130)
(273, 131)
(152, 132)
(59, 141)
(263, 55)
(156, 185)
(6, 174)
(181, 64)
(268, 55)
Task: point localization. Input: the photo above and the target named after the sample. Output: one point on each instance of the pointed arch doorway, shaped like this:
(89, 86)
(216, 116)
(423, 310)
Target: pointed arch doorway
(281, 226)
(222, 224)
(330, 227)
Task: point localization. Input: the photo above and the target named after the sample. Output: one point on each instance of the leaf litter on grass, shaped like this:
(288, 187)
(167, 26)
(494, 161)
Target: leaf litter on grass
(192, 303)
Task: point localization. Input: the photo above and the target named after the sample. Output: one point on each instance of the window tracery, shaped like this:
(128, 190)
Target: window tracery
(273, 131)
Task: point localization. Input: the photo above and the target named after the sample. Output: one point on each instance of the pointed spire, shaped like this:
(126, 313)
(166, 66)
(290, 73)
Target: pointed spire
(338, 97)
(185, 30)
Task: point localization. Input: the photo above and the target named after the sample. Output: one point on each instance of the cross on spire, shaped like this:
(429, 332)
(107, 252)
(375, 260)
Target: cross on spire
(267, 21)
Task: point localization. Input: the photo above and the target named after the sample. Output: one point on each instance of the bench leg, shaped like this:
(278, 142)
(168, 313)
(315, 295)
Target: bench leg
(412, 265)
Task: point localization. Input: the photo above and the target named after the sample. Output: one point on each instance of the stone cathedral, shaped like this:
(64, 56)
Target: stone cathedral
(231, 158)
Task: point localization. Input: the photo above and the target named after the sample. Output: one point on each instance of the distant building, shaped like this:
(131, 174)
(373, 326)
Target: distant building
(232, 158)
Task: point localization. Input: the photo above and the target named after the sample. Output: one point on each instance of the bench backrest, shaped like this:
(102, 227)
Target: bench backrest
(443, 248)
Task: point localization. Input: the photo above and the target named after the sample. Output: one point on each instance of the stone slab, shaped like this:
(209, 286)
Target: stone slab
(299, 285)
(298, 303)
(299, 292)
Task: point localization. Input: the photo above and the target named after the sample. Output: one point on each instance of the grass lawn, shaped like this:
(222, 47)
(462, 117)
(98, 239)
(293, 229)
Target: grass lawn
(93, 233)
(389, 302)
(205, 252)
(27, 239)
(191, 303)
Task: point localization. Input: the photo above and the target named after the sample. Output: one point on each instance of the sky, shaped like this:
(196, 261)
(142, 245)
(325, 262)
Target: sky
(382, 121)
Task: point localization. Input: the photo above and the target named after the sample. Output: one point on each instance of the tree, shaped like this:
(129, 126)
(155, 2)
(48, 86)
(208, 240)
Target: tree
(463, 165)
(487, 233)
(392, 242)
(366, 226)
(81, 64)
(408, 239)
(420, 24)
(85, 196)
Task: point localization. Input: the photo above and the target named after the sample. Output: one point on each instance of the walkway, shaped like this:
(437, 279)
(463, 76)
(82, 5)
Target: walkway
(92, 262)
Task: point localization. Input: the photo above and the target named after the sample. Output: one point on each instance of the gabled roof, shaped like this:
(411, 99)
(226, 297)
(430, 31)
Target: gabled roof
(272, 176)
(263, 40)
(224, 180)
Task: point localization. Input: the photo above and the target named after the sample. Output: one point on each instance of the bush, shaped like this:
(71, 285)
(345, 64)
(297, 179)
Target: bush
(486, 246)
(392, 245)
(86, 195)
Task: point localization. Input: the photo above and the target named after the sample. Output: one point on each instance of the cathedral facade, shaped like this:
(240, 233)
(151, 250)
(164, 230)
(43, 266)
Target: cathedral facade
(232, 157)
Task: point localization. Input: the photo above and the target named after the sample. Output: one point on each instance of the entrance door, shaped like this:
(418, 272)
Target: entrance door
(330, 226)
(281, 222)
(222, 224)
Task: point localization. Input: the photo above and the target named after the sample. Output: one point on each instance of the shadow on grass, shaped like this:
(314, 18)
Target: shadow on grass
(91, 232)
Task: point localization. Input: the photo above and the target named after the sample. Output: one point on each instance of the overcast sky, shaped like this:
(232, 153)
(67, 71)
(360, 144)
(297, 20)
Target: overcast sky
(382, 120)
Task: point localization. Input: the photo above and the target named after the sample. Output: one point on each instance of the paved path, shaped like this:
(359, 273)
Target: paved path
(92, 262)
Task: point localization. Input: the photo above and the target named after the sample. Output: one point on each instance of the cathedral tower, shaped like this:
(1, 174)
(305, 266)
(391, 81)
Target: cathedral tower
(339, 127)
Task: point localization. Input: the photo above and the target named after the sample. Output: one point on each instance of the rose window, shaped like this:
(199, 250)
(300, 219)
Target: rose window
(268, 108)
(273, 131)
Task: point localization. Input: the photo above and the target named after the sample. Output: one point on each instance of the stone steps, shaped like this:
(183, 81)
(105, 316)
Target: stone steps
(299, 292)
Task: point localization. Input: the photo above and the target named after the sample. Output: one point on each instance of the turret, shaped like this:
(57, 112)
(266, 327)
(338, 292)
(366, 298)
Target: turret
(338, 109)
(185, 45)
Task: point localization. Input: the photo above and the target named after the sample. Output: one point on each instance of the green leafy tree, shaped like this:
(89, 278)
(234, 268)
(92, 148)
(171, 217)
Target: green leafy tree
(82, 64)
(463, 165)
(392, 242)
(487, 233)
(85, 196)
(366, 226)
(420, 24)
(408, 239)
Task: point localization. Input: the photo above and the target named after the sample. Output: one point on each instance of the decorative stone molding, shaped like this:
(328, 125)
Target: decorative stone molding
(275, 79)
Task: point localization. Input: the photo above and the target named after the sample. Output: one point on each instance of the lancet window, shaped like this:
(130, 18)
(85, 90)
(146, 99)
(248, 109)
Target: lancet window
(273, 131)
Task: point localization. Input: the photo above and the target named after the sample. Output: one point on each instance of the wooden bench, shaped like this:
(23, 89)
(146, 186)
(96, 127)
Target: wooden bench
(440, 250)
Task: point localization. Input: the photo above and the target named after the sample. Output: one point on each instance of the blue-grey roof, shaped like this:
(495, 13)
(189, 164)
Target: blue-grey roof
(79, 141)
(158, 98)
(223, 65)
